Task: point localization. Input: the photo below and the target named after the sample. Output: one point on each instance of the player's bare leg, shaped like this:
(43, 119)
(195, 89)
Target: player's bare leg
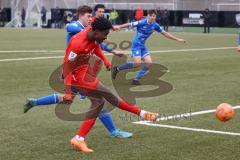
(102, 92)
(144, 70)
(97, 97)
(78, 141)
(129, 65)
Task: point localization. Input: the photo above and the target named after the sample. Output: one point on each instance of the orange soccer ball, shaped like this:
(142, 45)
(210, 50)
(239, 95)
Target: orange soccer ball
(224, 112)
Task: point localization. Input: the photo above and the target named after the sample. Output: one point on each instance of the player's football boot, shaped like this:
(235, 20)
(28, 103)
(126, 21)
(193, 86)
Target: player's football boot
(114, 72)
(149, 116)
(120, 134)
(136, 82)
(30, 103)
(80, 145)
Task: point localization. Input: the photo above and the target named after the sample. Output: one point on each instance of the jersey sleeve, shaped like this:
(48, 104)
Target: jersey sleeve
(73, 27)
(137, 23)
(158, 28)
(105, 47)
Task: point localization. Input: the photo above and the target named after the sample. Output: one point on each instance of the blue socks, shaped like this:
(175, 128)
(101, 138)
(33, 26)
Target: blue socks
(144, 70)
(106, 119)
(50, 99)
(128, 65)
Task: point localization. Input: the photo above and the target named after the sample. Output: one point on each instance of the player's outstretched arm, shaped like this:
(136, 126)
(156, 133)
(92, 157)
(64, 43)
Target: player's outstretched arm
(117, 53)
(118, 27)
(132, 24)
(110, 50)
(105, 47)
(170, 36)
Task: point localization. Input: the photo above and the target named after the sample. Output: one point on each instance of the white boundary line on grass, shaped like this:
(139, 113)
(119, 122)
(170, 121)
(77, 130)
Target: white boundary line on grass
(128, 52)
(158, 51)
(32, 51)
(185, 115)
(187, 128)
(30, 58)
(193, 49)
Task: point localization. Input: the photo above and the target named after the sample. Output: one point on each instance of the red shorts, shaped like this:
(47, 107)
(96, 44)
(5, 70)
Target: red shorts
(82, 81)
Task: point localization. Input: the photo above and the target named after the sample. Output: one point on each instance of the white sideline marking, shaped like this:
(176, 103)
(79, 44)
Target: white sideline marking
(185, 115)
(31, 58)
(187, 128)
(161, 51)
(148, 123)
(127, 52)
(193, 49)
(33, 51)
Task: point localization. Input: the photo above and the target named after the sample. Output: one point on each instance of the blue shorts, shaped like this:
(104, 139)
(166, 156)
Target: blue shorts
(139, 51)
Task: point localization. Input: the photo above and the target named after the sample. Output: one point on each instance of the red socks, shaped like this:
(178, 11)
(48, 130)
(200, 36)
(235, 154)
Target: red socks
(129, 107)
(86, 126)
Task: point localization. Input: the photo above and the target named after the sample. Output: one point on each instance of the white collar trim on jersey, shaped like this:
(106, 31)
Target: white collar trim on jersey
(148, 22)
(80, 23)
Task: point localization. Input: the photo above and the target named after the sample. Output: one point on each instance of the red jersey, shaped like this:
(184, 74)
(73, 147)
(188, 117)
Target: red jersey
(77, 69)
(93, 18)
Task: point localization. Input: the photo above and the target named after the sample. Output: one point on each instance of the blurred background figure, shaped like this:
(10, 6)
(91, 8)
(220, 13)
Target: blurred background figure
(113, 16)
(206, 17)
(57, 17)
(4, 16)
(165, 19)
(139, 14)
(23, 16)
(158, 19)
(43, 15)
(1, 17)
(131, 14)
(238, 49)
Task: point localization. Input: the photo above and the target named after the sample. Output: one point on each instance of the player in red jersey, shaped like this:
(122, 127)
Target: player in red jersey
(99, 10)
(79, 78)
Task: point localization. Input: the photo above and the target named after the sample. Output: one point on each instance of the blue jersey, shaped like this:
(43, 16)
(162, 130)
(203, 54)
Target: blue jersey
(144, 30)
(75, 27)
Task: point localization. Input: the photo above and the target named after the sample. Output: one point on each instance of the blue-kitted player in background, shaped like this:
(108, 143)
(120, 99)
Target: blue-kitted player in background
(84, 14)
(145, 28)
(238, 42)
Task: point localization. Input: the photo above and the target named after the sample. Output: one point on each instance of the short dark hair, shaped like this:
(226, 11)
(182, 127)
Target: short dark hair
(150, 12)
(101, 24)
(98, 6)
(83, 9)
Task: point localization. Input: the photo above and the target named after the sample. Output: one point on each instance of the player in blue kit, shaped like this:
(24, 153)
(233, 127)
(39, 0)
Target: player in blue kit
(84, 13)
(238, 42)
(145, 28)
